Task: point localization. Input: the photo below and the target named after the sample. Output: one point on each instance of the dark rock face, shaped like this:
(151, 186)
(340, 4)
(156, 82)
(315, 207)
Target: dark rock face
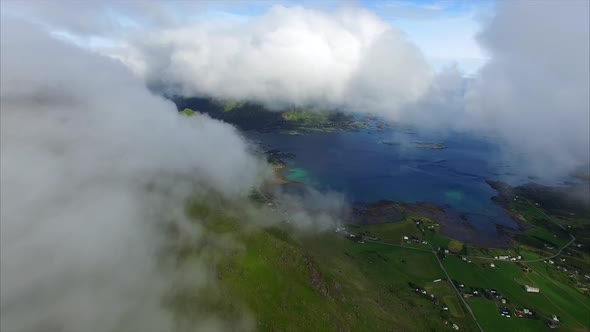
(316, 278)
(377, 213)
(247, 116)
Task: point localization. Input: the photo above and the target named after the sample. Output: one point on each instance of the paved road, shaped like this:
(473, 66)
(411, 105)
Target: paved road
(456, 290)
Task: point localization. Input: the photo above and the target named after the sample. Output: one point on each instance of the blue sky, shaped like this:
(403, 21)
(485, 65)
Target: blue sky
(444, 30)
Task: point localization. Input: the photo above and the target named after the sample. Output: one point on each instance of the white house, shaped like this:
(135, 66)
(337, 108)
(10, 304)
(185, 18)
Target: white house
(531, 289)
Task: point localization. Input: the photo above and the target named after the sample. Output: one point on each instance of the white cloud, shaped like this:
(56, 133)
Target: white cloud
(93, 166)
(353, 60)
(534, 94)
(92, 163)
(289, 55)
(348, 58)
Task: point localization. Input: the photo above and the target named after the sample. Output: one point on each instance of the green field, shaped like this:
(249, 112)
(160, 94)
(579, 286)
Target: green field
(487, 314)
(390, 232)
(507, 278)
(289, 280)
(306, 117)
(325, 283)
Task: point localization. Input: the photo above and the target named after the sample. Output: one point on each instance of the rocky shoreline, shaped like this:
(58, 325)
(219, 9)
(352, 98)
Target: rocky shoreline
(453, 225)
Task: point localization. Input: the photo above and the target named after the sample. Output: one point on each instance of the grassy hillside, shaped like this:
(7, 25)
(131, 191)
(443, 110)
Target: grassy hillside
(287, 280)
(306, 117)
(293, 281)
(327, 283)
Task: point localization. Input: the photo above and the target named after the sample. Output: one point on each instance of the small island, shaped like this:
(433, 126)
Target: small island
(434, 146)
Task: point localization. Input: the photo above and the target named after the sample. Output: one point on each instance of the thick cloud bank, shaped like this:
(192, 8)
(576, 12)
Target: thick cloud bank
(92, 166)
(287, 56)
(534, 94)
(349, 58)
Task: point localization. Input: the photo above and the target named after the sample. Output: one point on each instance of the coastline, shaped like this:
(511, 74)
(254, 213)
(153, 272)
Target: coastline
(279, 167)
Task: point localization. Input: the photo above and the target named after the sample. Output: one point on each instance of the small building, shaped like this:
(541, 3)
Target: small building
(530, 289)
(553, 322)
(492, 265)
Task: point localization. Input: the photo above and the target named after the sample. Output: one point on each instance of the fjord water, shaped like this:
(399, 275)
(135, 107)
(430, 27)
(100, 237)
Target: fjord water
(370, 165)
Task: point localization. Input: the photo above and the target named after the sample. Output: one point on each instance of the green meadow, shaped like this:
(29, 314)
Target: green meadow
(290, 280)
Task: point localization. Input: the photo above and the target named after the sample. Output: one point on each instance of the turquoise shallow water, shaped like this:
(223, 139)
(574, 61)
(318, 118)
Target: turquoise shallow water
(298, 174)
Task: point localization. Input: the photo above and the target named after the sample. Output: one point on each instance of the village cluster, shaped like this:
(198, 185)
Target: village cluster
(505, 308)
(435, 301)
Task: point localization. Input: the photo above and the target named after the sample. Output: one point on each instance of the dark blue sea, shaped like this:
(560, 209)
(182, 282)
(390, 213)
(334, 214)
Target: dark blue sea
(363, 168)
